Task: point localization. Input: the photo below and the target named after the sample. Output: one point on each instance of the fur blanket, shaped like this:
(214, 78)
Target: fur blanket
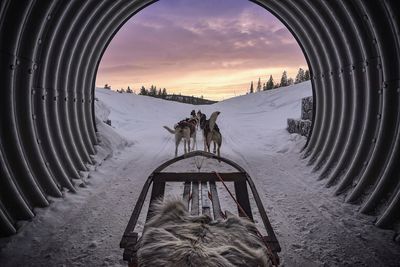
(174, 238)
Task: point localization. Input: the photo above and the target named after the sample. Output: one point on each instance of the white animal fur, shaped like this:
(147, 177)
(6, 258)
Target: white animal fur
(174, 238)
(182, 132)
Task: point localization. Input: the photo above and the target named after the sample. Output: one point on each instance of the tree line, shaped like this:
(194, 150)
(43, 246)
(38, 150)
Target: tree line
(302, 75)
(152, 91)
(163, 94)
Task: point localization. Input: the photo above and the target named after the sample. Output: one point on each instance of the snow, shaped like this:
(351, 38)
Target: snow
(314, 227)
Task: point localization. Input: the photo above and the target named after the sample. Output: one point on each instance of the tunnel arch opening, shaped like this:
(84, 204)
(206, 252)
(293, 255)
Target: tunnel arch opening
(237, 43)
(50, 53)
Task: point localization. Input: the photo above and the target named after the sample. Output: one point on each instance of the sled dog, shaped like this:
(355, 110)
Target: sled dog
(185, 130)
(211, 132)
(195, 118)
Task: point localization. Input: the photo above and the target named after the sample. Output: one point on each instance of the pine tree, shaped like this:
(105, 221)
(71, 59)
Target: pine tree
(306, 75)
(143, 91)
(159, 93)
(152, 91)
(129, 90)
(251, 88)
(270, 83)
(259, 85)
(300, 76)
(290, 81)
(164, 93)
(284, 79)
(106, 86)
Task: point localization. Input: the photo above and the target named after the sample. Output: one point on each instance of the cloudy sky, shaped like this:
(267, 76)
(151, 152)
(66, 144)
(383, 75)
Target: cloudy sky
(213, 48)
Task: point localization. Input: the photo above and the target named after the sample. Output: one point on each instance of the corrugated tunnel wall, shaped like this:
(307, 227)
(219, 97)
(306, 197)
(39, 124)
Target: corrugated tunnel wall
(49, 55)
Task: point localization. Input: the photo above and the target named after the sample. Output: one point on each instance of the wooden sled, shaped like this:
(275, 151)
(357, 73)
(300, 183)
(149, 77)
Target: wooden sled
(199, 186)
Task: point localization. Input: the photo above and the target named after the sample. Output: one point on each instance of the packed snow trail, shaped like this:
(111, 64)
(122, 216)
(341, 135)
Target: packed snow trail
(314, 227)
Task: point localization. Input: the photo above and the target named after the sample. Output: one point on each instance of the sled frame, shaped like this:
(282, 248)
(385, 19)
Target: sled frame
(200, 196)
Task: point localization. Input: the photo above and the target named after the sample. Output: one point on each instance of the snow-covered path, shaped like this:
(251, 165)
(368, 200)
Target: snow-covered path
(314, 227)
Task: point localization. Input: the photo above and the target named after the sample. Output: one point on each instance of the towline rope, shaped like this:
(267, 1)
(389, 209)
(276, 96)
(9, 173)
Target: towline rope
(232, 196)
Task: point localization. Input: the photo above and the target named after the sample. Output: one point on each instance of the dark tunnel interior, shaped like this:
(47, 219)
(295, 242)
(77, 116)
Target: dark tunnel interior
(50, 52)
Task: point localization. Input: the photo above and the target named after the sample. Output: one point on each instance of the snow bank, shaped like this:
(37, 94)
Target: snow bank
(109, 140)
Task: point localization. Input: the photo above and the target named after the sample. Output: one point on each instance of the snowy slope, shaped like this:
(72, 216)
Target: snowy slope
(314, 227)
(139, 118)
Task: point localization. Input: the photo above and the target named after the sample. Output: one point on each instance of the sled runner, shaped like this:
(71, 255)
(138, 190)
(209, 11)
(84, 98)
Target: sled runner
(200, 196)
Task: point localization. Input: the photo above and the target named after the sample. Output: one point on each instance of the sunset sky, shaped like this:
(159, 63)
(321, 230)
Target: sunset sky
(213, 48)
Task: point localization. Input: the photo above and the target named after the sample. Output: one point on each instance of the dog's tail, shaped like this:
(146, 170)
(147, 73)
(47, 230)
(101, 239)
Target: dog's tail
(169, 129)
(213, 119)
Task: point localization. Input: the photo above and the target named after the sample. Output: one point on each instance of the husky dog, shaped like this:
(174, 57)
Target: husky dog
(198, 116)
(202, 117)
(193, 124)
(193, 114)
(195, 118)
(185, 129)
(211, 132)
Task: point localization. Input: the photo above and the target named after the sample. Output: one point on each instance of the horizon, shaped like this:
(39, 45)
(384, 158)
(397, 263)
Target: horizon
(210, 49)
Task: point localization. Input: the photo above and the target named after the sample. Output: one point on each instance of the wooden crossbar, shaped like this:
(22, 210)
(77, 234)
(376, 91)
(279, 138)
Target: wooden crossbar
(199, 189)
(198, 176)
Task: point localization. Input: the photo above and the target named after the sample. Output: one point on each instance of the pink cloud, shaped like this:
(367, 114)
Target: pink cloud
(182, 37)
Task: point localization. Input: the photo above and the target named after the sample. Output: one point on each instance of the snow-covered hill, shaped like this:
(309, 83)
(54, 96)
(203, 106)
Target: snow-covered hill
(251, 117)
(314, 227)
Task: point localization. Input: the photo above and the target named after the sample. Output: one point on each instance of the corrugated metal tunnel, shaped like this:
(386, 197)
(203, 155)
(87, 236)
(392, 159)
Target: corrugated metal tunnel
(50, 51)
